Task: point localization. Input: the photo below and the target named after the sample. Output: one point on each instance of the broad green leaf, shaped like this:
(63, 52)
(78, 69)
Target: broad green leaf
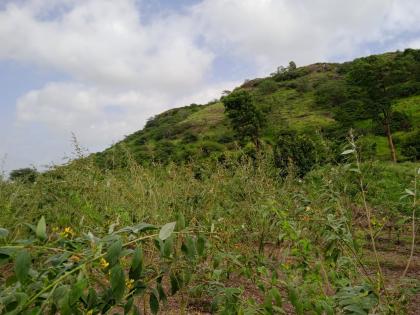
(117, 280)
(136, 268)
(22, 265)
(3, 233)
(114, 252)
(167, 247)
(41, 229)
(154, 302)
(166, 230)
(176, 283)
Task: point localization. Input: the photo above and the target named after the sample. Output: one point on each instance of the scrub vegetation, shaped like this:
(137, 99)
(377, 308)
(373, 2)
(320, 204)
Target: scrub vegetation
(293, 194)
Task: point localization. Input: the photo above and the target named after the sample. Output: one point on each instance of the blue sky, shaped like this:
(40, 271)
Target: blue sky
(100, 68)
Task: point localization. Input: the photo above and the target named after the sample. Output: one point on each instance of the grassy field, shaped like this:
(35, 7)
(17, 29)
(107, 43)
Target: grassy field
(242, 241)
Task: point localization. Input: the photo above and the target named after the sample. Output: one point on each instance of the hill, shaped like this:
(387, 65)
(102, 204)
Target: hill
(318, 99)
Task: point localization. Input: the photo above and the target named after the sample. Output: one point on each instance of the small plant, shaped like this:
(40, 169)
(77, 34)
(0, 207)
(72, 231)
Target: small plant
(67, 273)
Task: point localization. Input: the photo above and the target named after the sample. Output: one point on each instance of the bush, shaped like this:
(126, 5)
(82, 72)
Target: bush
(267, 86)
(411, 146)
(294, 151)
(26, 175)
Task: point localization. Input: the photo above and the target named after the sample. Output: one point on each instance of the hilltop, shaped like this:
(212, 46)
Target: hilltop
(308, 100)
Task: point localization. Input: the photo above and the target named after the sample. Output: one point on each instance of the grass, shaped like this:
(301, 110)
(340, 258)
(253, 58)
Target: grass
(410, 106)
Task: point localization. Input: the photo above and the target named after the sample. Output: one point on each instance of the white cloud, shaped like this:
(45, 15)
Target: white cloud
(122, 70)
(273, 31)
(94, 114)
(104, 41)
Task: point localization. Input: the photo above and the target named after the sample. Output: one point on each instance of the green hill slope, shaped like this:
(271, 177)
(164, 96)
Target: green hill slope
(306, 100)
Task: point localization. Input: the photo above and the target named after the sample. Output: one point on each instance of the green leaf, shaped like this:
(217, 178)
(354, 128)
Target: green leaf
(154, 302)
(167, 247)
(22, 265)
(294, 299)
(136, 268)
(117, 280)
(41, 229)
(129, 305)
(162, 294)
(11, 302)
(409, 192)
(347, 152)
(189, 247)
(61, 299)
(113, 254)
(275, 294)
(166, 230)
(92, 298)
(180, 222)
(268, 303)
(141, 227)
(76, 291)
(201, 245)
(136, 311)
(3, 233)
(176, 283)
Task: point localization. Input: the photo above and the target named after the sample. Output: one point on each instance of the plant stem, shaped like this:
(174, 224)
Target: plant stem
(413, 225)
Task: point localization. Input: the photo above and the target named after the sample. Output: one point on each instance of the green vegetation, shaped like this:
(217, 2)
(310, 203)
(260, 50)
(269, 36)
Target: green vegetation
(244, 117)
(260, 203)
(242, 239)
(327, 99)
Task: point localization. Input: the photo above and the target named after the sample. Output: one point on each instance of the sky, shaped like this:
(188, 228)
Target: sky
(98, 69)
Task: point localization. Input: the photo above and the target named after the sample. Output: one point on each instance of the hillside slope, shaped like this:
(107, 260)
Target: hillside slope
(306, 100)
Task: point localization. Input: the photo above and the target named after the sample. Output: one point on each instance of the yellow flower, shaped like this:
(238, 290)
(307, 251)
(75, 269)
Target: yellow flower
(90, 312)
(68, 232)
(129, 284)
(104, 264)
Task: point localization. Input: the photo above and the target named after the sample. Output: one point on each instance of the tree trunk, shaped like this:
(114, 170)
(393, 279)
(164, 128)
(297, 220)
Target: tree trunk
(390, 141)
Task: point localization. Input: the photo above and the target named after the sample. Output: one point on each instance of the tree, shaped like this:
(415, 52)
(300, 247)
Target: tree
(376, 78)
(295, 150)
(27, 175)
(245, 118)
(292, 66)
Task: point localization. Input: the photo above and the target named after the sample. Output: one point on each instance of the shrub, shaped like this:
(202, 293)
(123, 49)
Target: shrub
(26, 175)
(411, 146)
(294, 151)
(267, 86)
